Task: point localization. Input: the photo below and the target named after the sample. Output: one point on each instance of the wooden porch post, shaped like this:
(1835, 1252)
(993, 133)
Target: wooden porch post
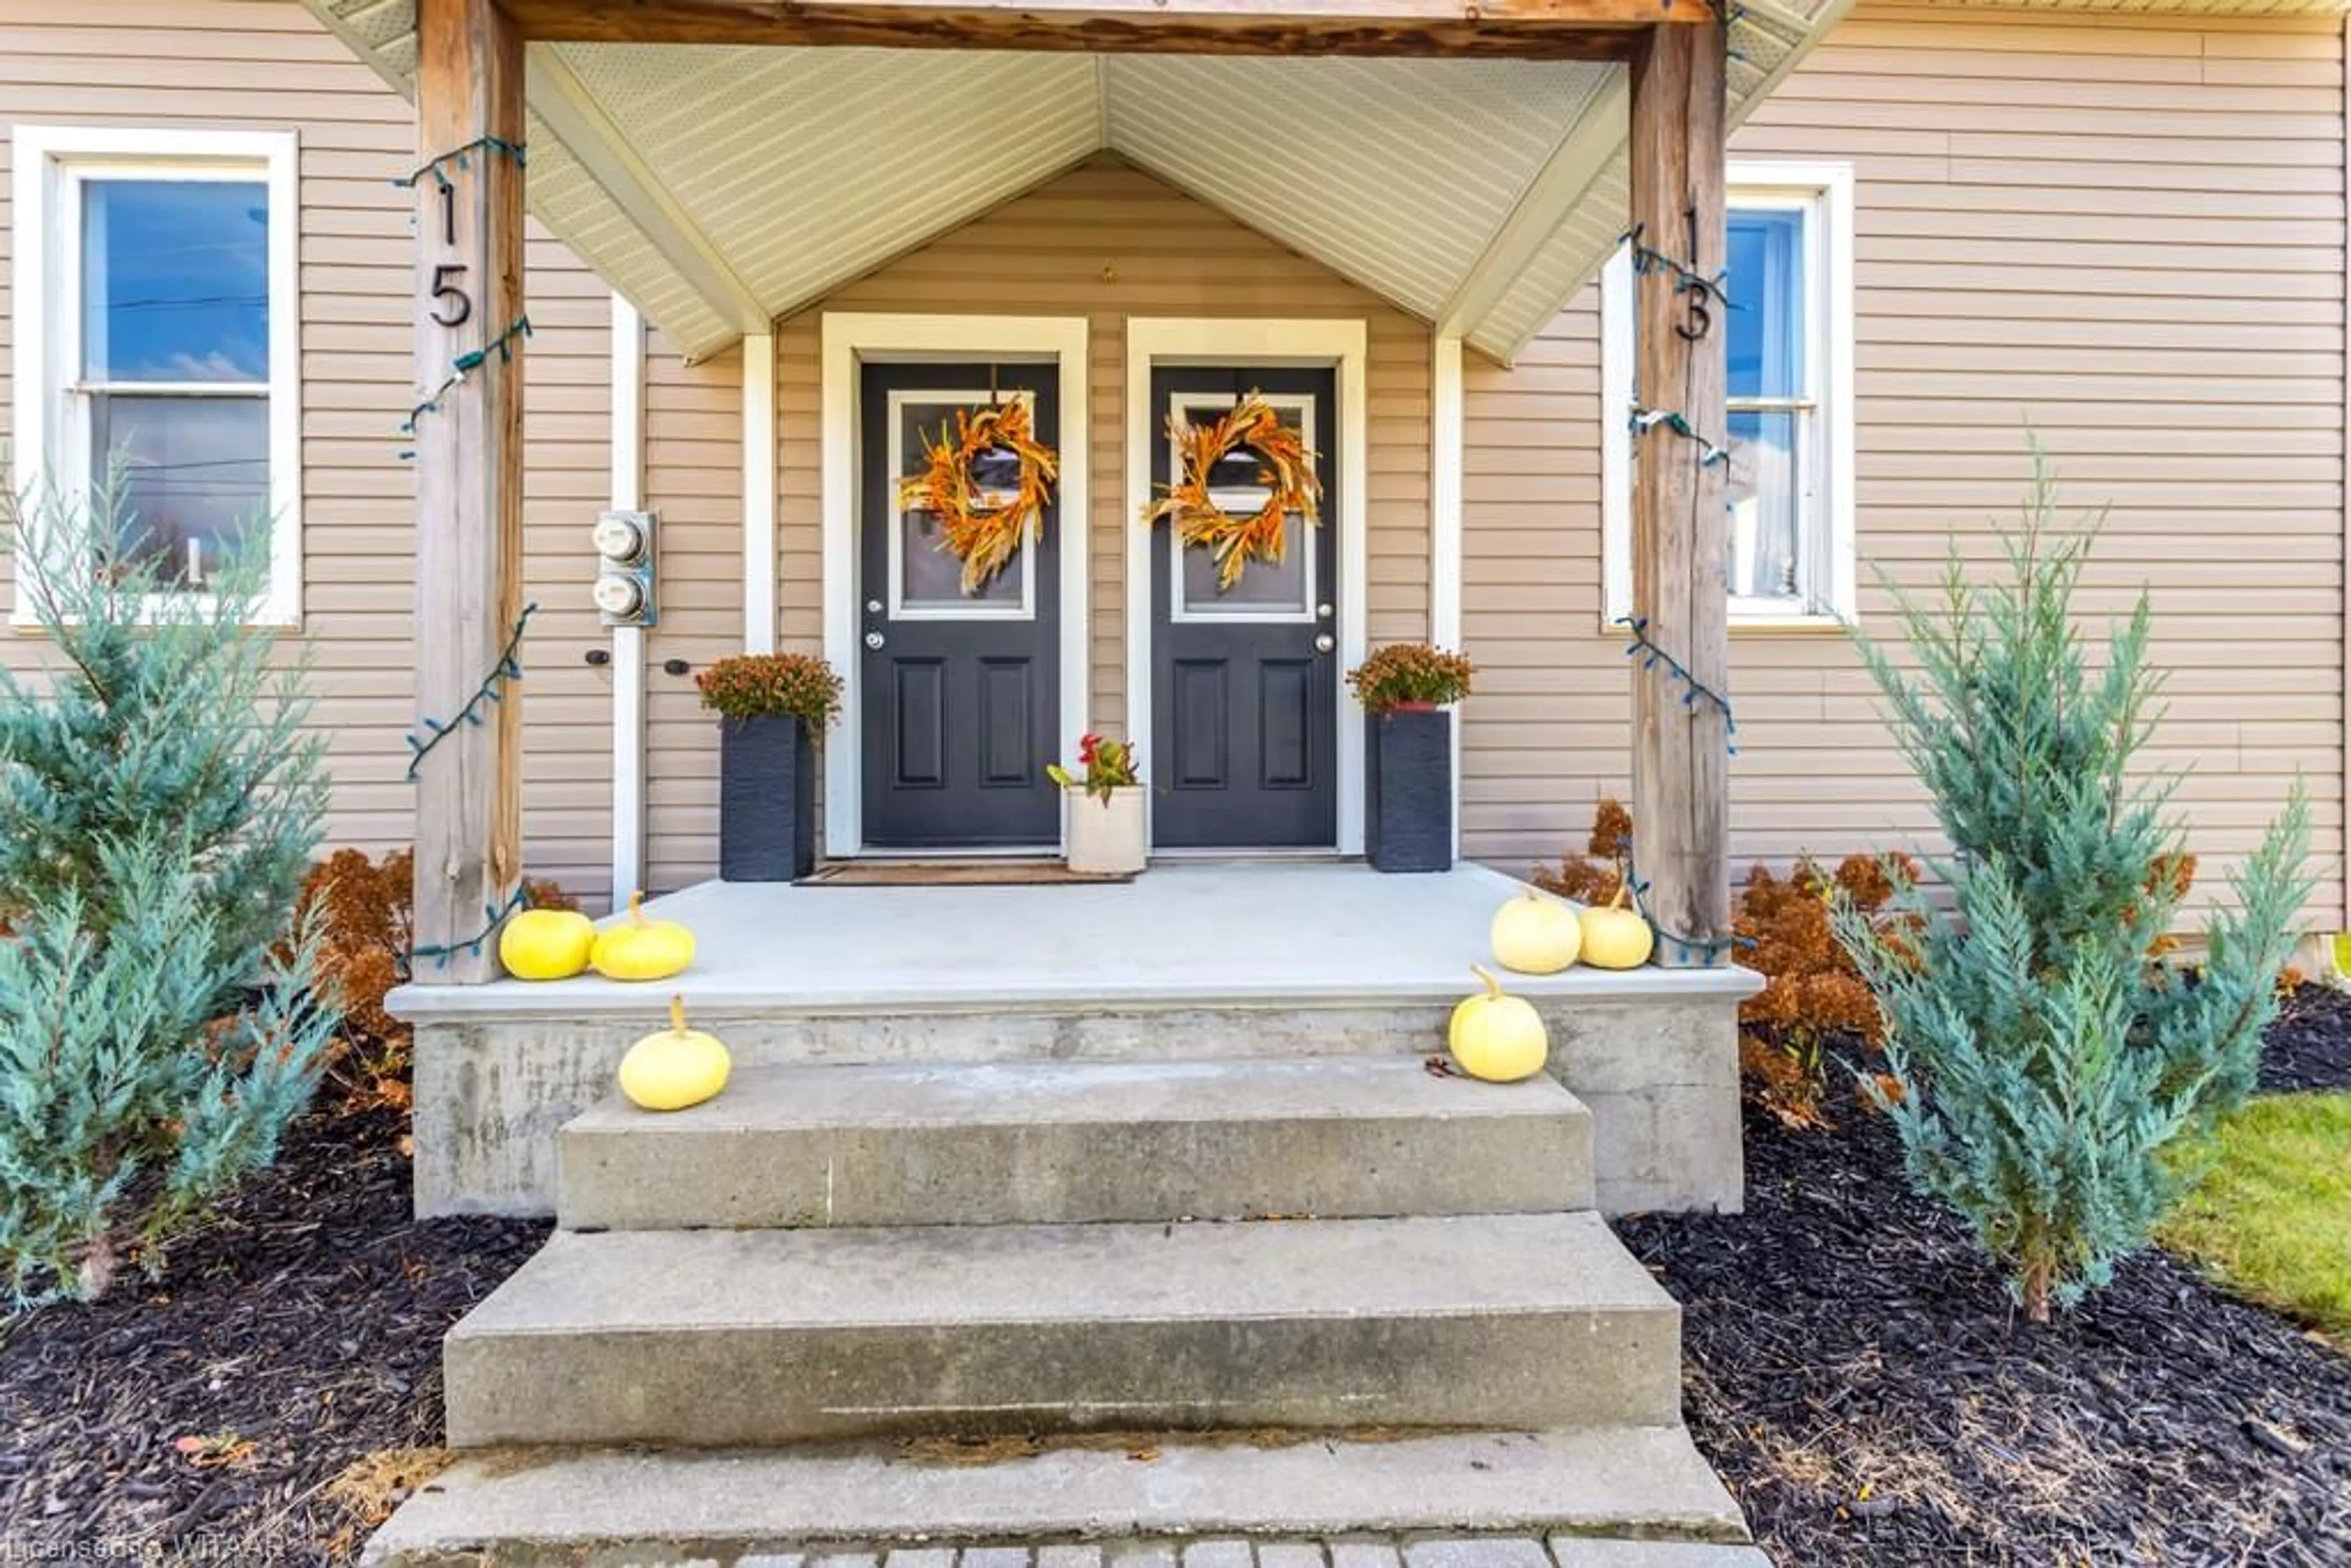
(1681, 799)
(468, 452)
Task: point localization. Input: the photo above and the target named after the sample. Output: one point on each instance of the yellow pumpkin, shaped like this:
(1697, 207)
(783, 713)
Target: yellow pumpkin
(1536, 935)
(546, 944)
(1616, 937)
(641, 950)
(676, 1067)
(1498, 1037)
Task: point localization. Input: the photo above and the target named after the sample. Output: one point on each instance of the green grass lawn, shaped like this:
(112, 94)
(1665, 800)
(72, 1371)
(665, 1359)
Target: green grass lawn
(2273, 1218)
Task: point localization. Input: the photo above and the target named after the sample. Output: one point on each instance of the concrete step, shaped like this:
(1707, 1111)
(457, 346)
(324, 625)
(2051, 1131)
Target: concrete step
(552, 1508)
(1065, 1143)
(753, 1338)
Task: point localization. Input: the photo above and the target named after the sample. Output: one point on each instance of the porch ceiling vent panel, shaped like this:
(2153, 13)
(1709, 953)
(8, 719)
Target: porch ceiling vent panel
(719, 186)
(805, 168)
(1392, 172)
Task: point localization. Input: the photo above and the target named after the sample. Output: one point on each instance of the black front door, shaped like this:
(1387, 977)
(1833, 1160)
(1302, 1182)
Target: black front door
(1244, 679)
(960, 698)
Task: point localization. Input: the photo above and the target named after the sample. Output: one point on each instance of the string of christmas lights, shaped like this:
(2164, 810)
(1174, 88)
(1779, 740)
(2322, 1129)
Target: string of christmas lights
(1687, 279)
(462, 158)
(506, 671)
(1707, 948)
(1644, 419)
(503, 346)
(440, 956)
(1694, 691)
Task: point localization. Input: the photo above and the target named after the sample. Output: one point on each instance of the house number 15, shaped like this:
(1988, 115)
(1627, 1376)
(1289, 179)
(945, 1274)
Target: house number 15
(451, 306)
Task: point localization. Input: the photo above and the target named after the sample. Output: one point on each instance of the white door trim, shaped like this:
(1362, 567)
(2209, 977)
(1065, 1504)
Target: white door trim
(1181, 340)
(1447, 453)
(760, 483)
(628, 454)
(851, 338)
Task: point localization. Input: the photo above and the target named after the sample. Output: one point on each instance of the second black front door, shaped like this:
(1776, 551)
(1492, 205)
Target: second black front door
(960, 693)
(1245, 678)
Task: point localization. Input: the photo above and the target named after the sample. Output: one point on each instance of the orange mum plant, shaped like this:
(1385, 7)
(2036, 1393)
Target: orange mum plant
(759, 685)
(1406, 673)
(1593, 877)
(1285, 468)
(982, 532)
(1812, 994)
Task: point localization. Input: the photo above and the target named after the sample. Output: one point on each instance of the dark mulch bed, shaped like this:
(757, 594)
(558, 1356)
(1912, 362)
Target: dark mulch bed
(2309, 1046)
(307, 1321)
(1856, 1372)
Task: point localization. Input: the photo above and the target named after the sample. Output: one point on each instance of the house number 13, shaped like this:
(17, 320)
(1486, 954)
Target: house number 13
(451, 306)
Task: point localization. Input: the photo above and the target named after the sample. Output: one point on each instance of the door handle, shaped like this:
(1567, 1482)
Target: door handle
(1325, 642)
(874, 639)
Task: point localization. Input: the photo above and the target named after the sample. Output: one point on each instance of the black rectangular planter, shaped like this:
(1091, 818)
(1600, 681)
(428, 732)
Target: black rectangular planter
(766, 799)
(1408, 791)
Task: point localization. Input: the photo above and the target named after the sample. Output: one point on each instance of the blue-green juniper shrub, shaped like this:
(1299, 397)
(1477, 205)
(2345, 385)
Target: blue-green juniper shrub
(159, 802)
(2049, 1057)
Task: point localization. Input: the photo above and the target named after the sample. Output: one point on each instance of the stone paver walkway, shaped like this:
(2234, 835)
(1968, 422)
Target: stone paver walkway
(1417, 1551)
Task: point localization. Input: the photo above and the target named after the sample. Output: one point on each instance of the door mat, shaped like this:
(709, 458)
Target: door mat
(957, 874)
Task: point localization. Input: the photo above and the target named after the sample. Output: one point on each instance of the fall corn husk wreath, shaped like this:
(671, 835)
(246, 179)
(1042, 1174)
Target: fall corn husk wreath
(984, 538)
(1285, 469)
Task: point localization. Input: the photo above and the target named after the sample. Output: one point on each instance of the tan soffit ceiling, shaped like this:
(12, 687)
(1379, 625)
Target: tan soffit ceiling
(720, 187)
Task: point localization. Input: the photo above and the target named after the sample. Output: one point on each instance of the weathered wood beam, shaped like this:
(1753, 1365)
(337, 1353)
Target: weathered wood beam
(1680, 791)
(468, 446)
(1529, 29)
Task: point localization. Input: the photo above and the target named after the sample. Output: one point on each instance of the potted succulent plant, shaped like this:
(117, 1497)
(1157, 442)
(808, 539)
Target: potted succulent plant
(1106, 805)
(1405, 688)
(771, 708)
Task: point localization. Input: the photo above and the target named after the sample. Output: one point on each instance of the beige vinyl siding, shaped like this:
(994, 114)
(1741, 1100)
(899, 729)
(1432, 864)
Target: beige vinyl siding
(1108, 241)
(2127, 235)
(694, 478)
(266, 65)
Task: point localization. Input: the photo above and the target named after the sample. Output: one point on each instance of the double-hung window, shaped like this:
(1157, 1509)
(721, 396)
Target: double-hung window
(1789, 429)
(156, 343)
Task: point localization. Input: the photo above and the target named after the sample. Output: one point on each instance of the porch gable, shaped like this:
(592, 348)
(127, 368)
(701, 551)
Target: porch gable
(720, 186)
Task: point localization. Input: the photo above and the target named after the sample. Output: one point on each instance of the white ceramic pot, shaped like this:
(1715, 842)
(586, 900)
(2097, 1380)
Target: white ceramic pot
(1106, 836)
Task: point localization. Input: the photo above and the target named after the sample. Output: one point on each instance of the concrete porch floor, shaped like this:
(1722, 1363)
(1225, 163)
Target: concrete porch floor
(1230, 933)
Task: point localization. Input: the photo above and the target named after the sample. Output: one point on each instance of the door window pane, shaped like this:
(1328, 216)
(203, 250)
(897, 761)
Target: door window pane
(1265, 586)
(1239, 485)
(930, 578)
(1766, 283)
(175, 281)
(195, 474)
(1766, 493)
(1240, 469)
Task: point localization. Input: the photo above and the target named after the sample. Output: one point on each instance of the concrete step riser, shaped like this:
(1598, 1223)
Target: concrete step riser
(1660, 1074)
(650, 1175)
(716, 1387)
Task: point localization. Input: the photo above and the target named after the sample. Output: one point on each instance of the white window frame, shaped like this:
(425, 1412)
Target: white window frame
(1825, 191)
(51, 164)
